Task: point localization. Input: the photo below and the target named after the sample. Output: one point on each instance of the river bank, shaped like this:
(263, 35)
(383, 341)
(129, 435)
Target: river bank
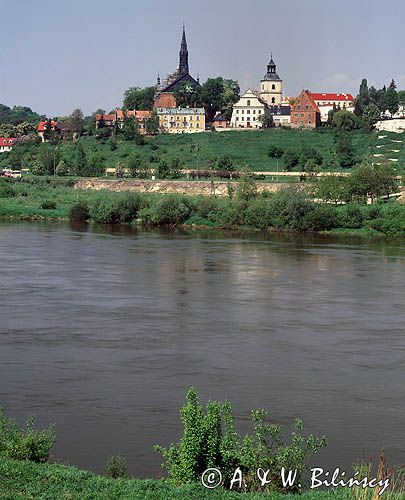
(27, 480)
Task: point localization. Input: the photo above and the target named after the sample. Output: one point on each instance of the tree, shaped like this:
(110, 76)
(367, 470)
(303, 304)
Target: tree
(345, 150)
(391, 100)
(76, 121)
(37, 168)
(372, 180)
(169, 169)
(62, 169)
(139, 99)
(363, 99)
(332, 188)
(291, 159)
(48, 157)
(401, 100)
(80, 160)
(219, 94)
(275, 152)
(344, 120)
(371, 115)
(94, 165)
(152, 123)
(119, 170)
(135, 164)
(266, 119)
(188, 95)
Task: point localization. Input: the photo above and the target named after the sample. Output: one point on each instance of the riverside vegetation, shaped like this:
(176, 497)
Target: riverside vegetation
(288, 210)
(209, 440)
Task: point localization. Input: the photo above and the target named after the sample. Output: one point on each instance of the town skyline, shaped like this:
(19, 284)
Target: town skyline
(90, 69)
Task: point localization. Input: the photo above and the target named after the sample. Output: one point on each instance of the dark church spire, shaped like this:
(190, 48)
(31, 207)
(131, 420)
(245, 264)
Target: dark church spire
(183, 63)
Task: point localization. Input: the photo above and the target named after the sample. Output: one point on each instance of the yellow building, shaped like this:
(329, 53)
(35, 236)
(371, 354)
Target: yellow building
(181, 120)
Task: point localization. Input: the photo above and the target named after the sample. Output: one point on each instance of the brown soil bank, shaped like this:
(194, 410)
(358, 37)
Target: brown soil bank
(179, 187)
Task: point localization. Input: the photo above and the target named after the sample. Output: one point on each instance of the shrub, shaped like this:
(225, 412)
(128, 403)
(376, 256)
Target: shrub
(257, 214)
(170, 210)
(320, 218)
(116, 467)
(6, 191)
(350, 216)
(25, 444)
(204, 205)
(48, 205)
(210, 440)
(288, 209)
(392, 221)
(79, 212)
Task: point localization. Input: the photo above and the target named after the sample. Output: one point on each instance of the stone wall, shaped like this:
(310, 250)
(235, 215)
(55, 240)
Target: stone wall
(179, 187)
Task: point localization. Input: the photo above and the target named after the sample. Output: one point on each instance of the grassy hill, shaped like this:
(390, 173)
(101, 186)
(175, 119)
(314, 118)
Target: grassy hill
(245, 148)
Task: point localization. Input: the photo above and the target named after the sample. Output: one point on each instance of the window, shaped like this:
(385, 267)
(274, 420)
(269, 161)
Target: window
(237, 111)
(243, 119)
(254, 111)
(273, 100)
(242, 111)
(299, 106)
(248, 111)
(237, 119)
(198, 125)
(248, 103)
(273, 87)
(262, 87)
(302, 115)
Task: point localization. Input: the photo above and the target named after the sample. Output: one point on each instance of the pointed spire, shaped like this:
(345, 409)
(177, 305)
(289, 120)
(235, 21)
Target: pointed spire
(183, 63)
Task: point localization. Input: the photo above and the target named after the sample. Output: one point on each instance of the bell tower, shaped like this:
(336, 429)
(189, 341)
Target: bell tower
(183, 59)
(271, 86)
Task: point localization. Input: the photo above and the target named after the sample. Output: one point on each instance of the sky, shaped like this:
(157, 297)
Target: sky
(58, 56)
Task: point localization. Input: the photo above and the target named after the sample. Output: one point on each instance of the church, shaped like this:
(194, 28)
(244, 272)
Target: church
(165, 90)
(249, 110)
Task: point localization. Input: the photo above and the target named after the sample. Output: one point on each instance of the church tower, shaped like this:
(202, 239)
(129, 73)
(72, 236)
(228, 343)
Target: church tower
(271, 90)
(183, 61)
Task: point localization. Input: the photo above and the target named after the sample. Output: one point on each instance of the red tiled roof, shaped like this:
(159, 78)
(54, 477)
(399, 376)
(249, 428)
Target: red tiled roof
(7, 141)
(331, 97)
(105, 117)
(41, 125)
(141, 115)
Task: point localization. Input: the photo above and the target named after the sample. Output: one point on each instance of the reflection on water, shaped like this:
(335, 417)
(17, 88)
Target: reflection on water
(102, 331)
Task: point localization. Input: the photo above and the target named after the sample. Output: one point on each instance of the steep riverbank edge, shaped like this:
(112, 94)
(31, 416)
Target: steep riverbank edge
(28, 480)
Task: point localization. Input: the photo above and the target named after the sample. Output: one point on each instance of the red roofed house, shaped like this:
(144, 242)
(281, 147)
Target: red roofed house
(45, 127)
(327, 102)
(6, 144)
(108, 121)
(304, 112)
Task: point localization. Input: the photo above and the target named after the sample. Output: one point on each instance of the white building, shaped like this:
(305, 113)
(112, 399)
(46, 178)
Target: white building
(247, 111)
(395, 125)
(327, 102)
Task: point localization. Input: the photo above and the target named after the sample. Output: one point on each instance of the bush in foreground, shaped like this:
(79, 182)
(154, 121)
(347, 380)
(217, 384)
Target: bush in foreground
(25, 444)
(210, 440)
(79, 212)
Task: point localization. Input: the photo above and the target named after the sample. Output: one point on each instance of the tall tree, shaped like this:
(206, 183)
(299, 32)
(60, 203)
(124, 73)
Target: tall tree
(391, 99)
(80, 160)
(371, 115)
(76, 121)
(139, 99)
(363, 99)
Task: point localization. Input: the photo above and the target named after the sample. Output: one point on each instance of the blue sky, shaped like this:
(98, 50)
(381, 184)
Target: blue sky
(57, 56)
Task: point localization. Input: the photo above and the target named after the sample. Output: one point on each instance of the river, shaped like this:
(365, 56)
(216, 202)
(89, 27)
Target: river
(103, 330)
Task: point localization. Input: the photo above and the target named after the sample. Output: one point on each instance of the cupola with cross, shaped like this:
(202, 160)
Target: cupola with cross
(271, 86)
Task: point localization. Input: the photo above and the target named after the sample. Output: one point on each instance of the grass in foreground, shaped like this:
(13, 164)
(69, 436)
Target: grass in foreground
(27, 480)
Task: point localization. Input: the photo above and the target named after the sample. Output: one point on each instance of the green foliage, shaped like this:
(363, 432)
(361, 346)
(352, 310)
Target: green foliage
(247, 189)
(344, 120)
(17, 115)
(333, 188)
(345, 151)
(219, 94)
(27, 480)
(25, 443)
(80, 159)
(371, 115)
(290, 159)
(139, 99)
(62, 169)
(170, 169)
(170, 210)
(372, 180)
(210, 440)
(392, 220)
(48, 205)
(275, 152)
(94, 165)
(118, 209)
(48, 157)
(79, 212)
(391, 99)
(116, 467)
(135, 164)
(350, 216)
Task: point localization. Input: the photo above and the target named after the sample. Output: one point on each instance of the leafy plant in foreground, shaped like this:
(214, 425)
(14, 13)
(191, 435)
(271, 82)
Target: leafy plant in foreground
(210, 440)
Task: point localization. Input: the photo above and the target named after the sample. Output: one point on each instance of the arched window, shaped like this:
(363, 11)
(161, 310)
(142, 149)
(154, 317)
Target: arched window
(273, 87)
(248, 103)
(273, 100)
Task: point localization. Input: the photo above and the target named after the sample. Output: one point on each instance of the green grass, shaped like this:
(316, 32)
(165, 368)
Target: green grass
(244, 147)
(30, 481)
